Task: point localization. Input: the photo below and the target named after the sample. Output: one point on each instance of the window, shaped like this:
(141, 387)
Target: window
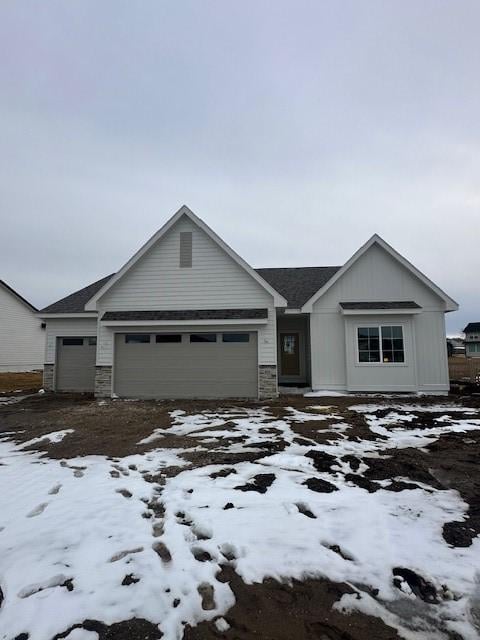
(137, 338)
(203, 337)
(72, 342)
(185, 248)
(380, 344)
(235, 337)
(92, 342)
(164, 338)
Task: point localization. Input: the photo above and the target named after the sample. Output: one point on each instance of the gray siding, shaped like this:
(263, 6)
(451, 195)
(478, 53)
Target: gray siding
(378, 276)
(215, 281)
(22, 339)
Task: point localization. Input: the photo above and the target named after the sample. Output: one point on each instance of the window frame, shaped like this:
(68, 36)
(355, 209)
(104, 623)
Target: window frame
(73, 341)
(213, 334)
(132, 335)
(237, 334)
(379, 326)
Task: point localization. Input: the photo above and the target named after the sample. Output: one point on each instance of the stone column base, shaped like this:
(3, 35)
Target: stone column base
(48, 377)
(267, 381)
(103, 381)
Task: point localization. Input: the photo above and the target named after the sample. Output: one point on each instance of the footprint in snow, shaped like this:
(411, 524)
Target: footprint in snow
(201, 554)
(123, 554)
(124, 492)
(228, 551)
(59, 580)
(38, 510)
(162, 551)
(55, 489)
(207, 595)
(304, 509)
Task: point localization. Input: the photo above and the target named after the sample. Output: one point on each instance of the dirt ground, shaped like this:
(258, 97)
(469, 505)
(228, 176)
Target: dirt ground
(271, 610)
(26, 381)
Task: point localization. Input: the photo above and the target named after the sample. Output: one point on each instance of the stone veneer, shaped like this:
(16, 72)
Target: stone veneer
(267, 381)
(48, 377)
(103, 381)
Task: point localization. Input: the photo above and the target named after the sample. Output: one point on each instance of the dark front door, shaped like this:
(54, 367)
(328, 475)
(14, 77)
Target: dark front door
(290, 354)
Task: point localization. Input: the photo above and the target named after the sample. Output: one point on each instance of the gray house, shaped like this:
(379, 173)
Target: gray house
(472, 340)
(187, 317)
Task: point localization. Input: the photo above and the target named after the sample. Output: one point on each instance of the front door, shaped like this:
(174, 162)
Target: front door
(290, 354)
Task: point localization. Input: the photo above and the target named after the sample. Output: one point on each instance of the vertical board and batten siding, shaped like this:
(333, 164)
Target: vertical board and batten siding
(64, 328)
(214, 281)
(378, 276)
(22, 339)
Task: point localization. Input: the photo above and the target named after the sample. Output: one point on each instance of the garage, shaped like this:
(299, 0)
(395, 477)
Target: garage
(76, 363)
(186, 365)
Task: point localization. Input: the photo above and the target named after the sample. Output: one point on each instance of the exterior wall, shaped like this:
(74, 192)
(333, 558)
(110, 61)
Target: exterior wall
(378, 276)
(22, 339)
(103, 382)
(215, 281)
(295, 324)
(267, 381)
(59, 328)
(472, 349)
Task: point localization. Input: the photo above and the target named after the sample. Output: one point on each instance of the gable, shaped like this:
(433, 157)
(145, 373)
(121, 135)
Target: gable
(157, 281)
(375, 275)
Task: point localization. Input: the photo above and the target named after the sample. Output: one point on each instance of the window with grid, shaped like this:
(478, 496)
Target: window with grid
(381, 344)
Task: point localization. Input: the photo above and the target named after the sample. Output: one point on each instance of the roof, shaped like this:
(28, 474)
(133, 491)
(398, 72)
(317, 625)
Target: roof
(192, 314)
(400, 304)
(75, 302)
(298, 284)
(450, 304)
(472, 326)
(17, 295)
(279, 300)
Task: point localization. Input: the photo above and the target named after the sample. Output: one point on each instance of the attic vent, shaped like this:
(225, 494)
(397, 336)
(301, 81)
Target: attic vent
(185, 248)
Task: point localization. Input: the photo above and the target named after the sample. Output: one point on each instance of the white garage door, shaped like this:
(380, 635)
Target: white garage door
(76, 364)
(188, 365)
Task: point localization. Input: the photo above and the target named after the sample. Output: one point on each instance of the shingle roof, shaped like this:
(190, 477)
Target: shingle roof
(75, 302)
(192, 314)
(297, 284)
(400, 304)
(17, 295)
(472, 326)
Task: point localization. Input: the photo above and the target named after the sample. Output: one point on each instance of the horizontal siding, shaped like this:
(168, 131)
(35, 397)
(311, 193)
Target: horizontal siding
(214, 281)
(22, 339)
(66, 327)
(432, 361)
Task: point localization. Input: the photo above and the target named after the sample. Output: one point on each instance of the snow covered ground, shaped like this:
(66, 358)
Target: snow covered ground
(94, 538)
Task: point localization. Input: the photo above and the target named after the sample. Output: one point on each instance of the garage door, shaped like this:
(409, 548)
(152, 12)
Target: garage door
(189, 365)
(76, 364)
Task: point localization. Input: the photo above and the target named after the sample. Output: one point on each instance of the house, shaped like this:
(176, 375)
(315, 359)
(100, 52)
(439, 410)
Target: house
(187, 317)
(455, 346)
(22, 336)
(472, 340)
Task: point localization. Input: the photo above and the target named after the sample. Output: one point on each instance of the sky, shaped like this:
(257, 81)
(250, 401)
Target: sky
(294, 129)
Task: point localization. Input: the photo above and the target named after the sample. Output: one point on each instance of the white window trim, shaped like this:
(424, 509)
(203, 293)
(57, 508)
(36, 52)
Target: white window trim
(379, 325)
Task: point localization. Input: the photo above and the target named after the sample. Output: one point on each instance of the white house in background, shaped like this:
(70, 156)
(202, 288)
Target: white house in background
(22, 332)
(472, 340)
(187, 317)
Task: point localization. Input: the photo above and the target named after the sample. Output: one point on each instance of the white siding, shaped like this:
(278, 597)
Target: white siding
(215, 281)
(378, 276)
(22, 338)
(66, 327)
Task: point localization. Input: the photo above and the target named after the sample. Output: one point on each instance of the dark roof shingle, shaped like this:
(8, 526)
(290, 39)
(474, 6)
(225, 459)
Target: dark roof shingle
(399, 304)
(472, 326)
(297, 284)
(75, 302)
(192, 314)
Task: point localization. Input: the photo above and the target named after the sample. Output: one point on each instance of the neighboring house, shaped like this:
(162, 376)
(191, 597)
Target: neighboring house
(22, 333)
(472, 340)
(187, 317)
(455, 346)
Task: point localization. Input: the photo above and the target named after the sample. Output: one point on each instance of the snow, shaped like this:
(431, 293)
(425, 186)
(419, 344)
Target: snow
(54, 438)
(70, 520)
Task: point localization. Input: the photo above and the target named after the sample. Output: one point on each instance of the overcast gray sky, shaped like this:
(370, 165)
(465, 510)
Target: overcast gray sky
(295, 129)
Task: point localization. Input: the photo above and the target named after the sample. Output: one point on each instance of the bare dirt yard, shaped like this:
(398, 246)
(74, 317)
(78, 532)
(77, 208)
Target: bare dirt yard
(341, 518)
(18, 382)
